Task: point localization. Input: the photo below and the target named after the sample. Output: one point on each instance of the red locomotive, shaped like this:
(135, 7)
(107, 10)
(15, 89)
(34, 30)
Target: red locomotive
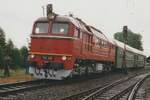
(62, 46)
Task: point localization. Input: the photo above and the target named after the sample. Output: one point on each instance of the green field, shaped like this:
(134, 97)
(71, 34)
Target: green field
(13, 72)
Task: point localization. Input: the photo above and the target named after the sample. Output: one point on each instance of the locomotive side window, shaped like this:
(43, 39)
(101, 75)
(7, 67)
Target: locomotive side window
(41, 28)
(77, 33)
(60, 28)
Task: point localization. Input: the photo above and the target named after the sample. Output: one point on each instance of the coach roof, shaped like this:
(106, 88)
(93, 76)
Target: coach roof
(128, 48)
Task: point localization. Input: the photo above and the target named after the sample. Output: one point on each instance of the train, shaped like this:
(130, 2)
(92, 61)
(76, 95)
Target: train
(63, 46)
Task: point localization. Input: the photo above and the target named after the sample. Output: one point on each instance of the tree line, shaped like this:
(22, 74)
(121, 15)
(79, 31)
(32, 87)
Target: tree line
(133, 39)
(18, 57)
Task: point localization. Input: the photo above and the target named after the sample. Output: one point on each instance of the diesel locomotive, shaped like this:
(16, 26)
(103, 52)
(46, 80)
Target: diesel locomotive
(62, 46)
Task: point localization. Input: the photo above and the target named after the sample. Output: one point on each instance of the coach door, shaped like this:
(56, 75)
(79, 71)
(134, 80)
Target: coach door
(135, 60)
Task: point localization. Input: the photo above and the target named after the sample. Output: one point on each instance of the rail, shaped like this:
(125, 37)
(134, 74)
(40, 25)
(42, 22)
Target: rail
(92, 92)
(133, 93)
(10, 89)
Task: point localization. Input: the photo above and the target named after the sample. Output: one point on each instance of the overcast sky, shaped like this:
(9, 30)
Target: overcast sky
(17, 16)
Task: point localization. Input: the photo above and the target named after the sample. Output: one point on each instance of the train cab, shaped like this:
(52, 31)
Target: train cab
(51, 50)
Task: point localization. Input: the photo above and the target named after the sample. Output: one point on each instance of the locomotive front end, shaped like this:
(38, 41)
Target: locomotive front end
(51, 54)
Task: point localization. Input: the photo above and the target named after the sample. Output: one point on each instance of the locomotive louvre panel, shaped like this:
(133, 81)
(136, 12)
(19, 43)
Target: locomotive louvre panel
(88, 42)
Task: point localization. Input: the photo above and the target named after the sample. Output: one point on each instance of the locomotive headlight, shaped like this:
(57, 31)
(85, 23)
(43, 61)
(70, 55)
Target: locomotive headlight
(64, 58)
(32, 56)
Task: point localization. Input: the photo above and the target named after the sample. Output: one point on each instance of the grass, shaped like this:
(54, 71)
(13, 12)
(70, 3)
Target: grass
(12, 72)
(15, 76)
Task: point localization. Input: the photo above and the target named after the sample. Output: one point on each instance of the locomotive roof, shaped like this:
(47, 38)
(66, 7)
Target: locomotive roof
(98, 33)
(63, 18)
(129, 48)
(78, 23)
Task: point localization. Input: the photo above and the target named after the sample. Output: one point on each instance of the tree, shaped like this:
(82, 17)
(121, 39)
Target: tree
(1, 58)
(9, 47)
(2, 47)
(24, 56)
(133, 39)
(2, 38)
(16, 58)
(8, 57)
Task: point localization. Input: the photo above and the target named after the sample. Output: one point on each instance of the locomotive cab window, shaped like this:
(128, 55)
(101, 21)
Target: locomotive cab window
(41, 27)
(60, 28)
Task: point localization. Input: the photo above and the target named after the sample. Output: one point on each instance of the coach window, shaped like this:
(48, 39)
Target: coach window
(121, 53)
(60, 28)
(41, 27)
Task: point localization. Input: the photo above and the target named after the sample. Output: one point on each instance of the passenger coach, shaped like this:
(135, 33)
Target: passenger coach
(134, 58)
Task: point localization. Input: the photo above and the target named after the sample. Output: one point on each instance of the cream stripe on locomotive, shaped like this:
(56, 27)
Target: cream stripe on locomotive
(39, 53)
(52, 37)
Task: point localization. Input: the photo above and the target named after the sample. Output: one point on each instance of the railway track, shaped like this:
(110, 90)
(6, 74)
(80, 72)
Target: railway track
(18, 87)
(133, 93)
(114, 91)
(14, 88)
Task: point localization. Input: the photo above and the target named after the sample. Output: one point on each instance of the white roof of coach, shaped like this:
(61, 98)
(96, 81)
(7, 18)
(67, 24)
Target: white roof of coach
(129, 48)
(112, 41)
